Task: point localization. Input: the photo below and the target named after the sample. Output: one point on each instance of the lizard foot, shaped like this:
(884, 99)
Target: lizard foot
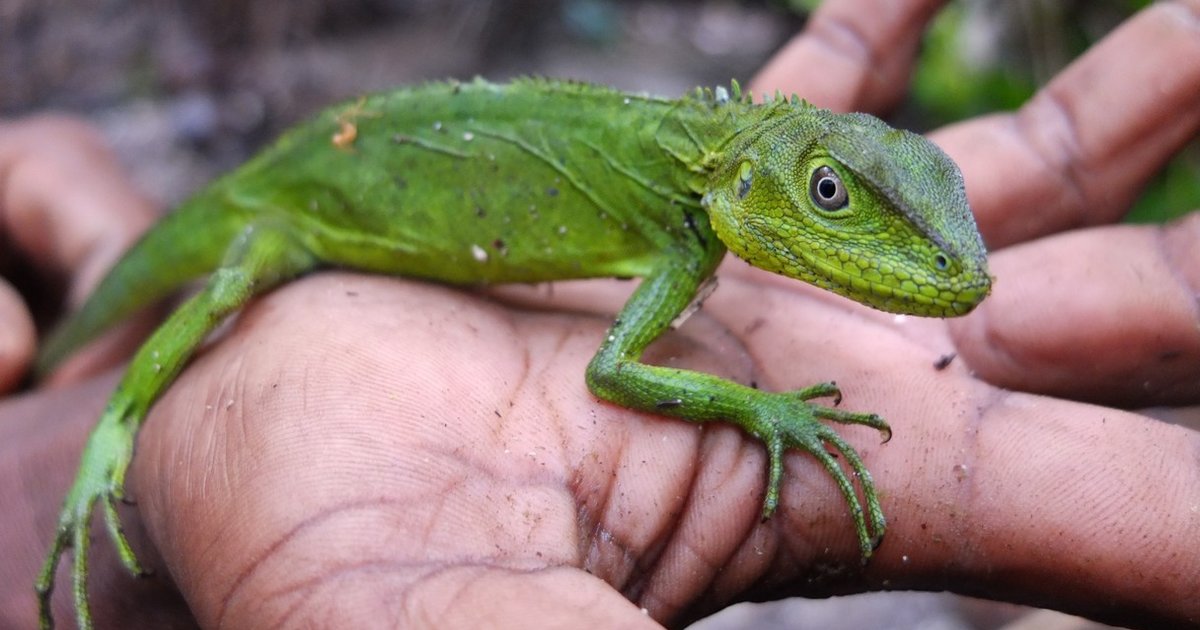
(101, 479)
(786, 420)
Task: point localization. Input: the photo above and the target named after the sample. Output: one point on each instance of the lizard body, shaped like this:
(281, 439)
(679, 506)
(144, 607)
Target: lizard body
(538, 180)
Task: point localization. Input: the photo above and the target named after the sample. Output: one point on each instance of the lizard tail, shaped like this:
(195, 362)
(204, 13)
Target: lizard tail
(184, 245)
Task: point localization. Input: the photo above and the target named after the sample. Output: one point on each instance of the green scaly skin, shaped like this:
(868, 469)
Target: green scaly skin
(472, 183)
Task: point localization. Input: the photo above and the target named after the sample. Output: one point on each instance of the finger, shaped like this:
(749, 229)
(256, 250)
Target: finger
(1078, 152)
(17, 337)
(69, 209)
(1107, 315)
(852, 55)
(64, 200)
(1048, 503)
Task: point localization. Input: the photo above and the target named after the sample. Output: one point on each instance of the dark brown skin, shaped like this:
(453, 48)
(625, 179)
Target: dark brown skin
(362, 448)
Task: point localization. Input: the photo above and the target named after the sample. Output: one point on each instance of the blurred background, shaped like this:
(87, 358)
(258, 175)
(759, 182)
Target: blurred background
(187, 89)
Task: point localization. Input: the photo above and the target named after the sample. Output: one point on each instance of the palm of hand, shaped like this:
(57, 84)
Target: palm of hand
(447, 435)
(448, 445)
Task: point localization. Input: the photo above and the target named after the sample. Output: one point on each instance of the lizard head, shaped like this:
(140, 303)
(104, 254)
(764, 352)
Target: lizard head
(847, 203)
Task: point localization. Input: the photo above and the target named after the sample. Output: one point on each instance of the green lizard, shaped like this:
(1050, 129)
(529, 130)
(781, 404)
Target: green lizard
(475, 183)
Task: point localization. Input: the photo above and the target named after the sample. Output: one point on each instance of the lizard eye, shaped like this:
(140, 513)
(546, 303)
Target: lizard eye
(827, 189)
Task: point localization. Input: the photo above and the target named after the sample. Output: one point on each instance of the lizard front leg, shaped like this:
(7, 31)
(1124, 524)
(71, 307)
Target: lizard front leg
(780, 419)
(260, 258)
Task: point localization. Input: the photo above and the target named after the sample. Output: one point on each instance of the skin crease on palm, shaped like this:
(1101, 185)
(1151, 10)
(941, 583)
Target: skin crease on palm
(441, 461)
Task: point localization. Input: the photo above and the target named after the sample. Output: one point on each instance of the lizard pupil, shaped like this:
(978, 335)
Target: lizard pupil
(827, 189)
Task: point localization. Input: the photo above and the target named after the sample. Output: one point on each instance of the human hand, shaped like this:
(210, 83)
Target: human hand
(441, 461)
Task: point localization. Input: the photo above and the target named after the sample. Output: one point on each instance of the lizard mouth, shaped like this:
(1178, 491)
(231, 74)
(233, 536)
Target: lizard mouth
(956, 295)
(949, 299)
(940, 300)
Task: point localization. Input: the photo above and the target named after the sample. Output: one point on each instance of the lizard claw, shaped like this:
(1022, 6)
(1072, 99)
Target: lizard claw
(820, 390)
(789, 421)
(100, 478)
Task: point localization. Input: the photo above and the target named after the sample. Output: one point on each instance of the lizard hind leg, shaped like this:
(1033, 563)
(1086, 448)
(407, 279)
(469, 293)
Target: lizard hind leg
(260, 258)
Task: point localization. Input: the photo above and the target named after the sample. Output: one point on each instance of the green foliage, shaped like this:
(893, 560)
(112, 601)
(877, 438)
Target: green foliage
(801, 7)
(955, 79)
(1174, 192)
(982, 56)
